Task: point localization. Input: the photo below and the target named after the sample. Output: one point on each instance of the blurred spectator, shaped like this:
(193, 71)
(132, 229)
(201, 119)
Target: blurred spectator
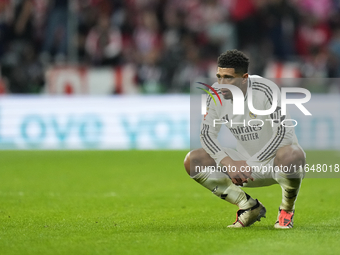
(104, 43)
(27, 76)
(320, 9)
(281, 20)
(173, 46)
(243, 14)
(87, 19)
(5, 18)
(20, 63)
(147, 37)
(56, 36)
(149, 74)
(334, 54)
(313, 35)
(23, 22)
(221, 33)
(190, 70)
(148, 45)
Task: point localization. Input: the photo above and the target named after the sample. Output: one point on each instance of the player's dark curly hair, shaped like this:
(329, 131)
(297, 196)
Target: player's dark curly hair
(234, 59)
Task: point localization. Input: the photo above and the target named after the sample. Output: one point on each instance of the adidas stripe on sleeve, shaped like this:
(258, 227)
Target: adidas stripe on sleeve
(209, 133)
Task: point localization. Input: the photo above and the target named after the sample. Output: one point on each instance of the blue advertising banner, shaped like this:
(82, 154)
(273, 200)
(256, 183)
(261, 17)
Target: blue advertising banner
(134, 122)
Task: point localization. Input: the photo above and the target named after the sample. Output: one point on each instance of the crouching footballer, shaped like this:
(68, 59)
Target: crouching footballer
(267, 152)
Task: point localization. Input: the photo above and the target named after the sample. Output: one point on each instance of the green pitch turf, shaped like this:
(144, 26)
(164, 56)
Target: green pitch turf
(143, 202)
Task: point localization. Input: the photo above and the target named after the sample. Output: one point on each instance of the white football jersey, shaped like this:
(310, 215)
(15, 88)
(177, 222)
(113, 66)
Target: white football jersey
(257, 141)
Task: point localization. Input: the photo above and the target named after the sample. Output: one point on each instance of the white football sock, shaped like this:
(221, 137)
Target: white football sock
(290, 184)
(221, 185)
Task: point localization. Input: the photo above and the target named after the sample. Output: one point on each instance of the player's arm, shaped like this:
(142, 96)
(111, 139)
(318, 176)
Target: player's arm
(209, 133)
(210, 144)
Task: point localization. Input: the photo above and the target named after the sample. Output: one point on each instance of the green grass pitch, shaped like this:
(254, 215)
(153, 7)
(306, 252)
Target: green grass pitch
(143, 202)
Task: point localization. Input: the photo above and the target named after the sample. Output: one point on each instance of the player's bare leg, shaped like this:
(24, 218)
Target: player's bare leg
(197, 163)
(289, 158)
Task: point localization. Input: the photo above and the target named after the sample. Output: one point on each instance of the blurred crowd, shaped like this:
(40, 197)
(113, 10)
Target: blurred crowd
(170, 42)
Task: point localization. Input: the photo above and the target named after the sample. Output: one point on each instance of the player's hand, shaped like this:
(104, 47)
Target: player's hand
(240, 173)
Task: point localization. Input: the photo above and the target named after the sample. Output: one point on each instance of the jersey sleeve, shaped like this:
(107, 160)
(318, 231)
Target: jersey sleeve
(209, 133)
(281, 135)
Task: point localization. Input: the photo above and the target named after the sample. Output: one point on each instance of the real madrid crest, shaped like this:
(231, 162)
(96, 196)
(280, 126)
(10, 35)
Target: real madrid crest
(252, 115)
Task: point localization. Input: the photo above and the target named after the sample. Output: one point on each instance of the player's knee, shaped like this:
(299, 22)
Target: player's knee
(195, 158)
(291, 156)
(187, 163)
